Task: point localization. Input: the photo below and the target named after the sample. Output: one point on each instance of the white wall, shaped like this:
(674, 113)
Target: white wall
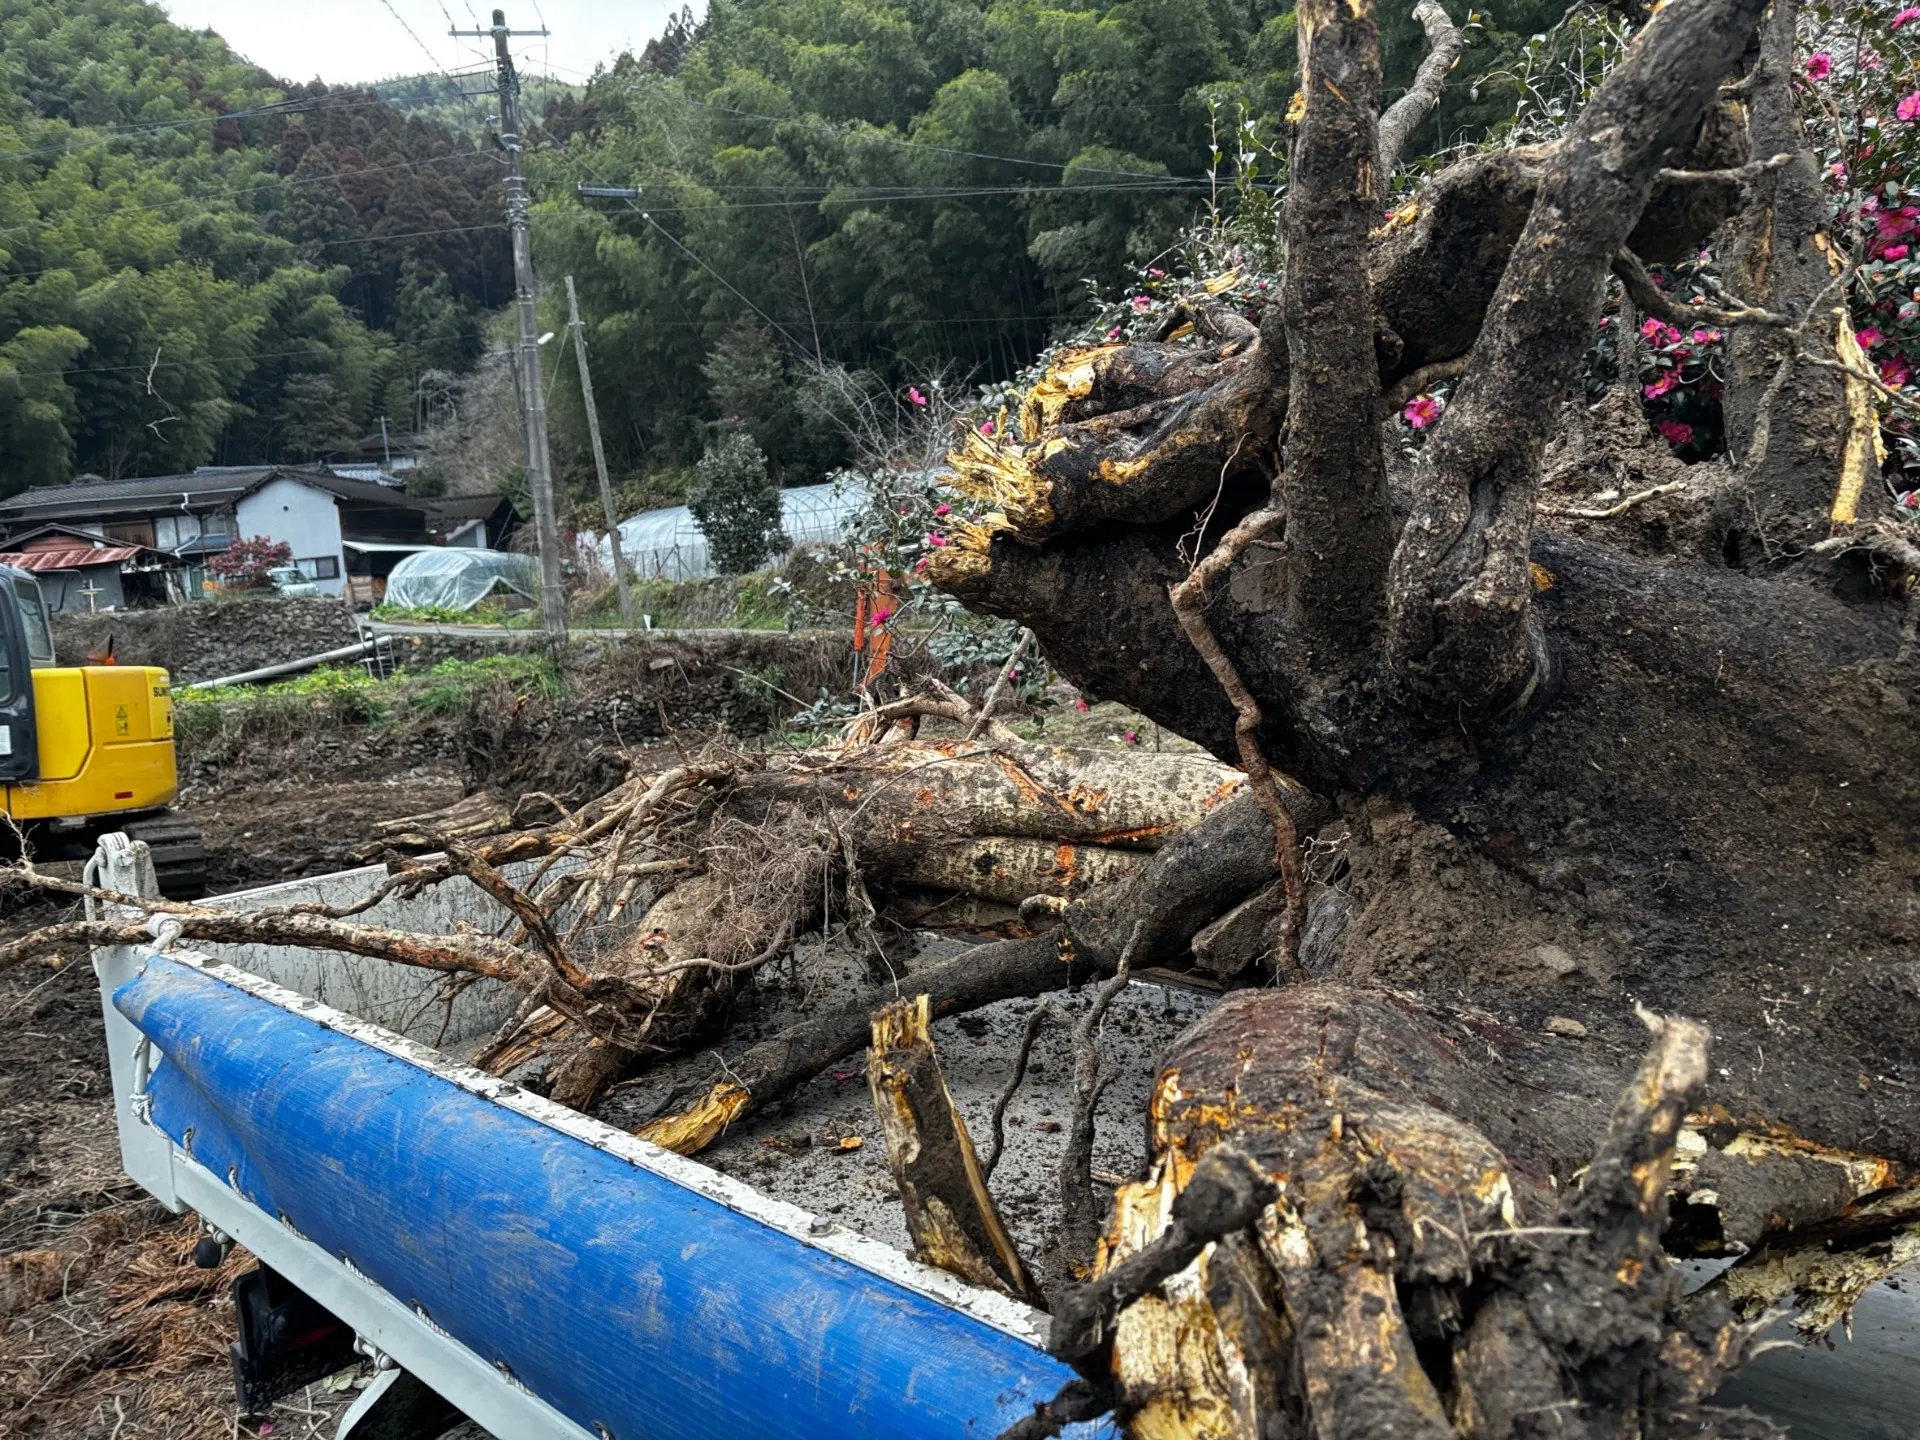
(305, 518)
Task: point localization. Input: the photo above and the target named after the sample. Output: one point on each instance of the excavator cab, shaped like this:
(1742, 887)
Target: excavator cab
(87, 749)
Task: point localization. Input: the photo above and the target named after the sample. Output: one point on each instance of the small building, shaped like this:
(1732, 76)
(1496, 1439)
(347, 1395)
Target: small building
(337, 528)
(475, 522)
(84, 570)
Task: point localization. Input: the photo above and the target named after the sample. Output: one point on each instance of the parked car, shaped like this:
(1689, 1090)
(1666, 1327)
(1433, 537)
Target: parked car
(287, 580)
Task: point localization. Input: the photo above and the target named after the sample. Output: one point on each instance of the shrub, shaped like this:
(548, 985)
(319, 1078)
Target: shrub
(735, 504)
(247, 561)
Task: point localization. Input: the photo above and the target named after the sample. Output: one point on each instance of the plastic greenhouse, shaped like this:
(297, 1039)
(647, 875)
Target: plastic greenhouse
(667, 545)
(458, 579)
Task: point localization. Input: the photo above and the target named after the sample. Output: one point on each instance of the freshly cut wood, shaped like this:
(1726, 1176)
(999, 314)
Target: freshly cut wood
(950, 1214)
(1421, 1279)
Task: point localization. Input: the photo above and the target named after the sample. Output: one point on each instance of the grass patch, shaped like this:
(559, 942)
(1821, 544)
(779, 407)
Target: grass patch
(427, 615)
(337, 697)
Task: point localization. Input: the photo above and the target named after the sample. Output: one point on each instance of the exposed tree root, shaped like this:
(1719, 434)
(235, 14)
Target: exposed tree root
(1403, 1282)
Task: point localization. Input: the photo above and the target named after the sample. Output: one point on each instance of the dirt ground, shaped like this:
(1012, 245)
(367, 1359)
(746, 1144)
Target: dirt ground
(107, 1331)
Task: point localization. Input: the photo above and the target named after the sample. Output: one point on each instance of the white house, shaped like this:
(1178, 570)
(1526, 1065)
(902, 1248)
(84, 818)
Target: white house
(344, 533)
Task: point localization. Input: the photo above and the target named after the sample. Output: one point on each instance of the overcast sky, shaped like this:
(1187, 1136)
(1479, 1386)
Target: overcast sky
(354, 41)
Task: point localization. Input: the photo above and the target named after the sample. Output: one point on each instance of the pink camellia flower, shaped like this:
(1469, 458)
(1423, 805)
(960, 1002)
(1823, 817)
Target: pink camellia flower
(1895, 370)
(1649, 328)
(936, 539)
(915, 396)
(1909, 106)
(1819, 65)
(1133, 737)
(1910, 13)
(920, 566)
(1668, 379)
(1837, 170)
(1909, 501)
(1894, 252)
(881, 617)
(943, 509)
(1081, 705)
(1141, 304)
(1868, 337)
(1156, 274)
(1114, 333)
(986, 427)
(1674, 432)
(1421, 411)
(1701, 336)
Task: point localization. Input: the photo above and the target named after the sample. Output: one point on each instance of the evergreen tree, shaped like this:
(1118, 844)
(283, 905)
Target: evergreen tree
(736, 504)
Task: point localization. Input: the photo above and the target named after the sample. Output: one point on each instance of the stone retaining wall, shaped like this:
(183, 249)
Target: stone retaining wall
(207, 639)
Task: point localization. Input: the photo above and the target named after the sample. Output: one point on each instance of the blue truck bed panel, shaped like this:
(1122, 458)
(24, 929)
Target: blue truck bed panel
(631, 1302)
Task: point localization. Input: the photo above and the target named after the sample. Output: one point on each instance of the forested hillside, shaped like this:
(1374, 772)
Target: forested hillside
(907, 187)
(201, 264)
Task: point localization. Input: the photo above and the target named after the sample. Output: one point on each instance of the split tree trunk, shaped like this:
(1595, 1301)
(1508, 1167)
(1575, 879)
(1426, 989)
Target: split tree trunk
(1567, 772)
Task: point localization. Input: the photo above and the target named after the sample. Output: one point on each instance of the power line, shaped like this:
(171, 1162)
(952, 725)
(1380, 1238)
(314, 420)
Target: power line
(1001, 321)
(281, 107)
(668, 236)
(668, 207)
(880, 135)
(432, 59)
(322, 243)
(274, 184)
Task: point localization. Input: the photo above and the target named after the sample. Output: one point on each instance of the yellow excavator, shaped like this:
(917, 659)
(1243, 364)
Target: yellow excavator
(87, 749)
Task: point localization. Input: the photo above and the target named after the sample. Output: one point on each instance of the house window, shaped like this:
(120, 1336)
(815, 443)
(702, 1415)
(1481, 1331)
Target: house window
(218, 522)
(170, 532)
(321, 567)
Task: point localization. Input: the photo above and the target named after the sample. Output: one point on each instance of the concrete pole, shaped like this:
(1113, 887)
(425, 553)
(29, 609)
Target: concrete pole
(599, 454)
(553, 595)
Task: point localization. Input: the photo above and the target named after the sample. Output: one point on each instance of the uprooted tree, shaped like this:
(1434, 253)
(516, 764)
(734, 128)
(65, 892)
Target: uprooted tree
(1576, 758)
(1513, 769)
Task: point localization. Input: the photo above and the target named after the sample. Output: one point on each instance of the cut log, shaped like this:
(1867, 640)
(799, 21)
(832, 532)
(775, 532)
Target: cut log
(1419, 1279)
(950, 1214)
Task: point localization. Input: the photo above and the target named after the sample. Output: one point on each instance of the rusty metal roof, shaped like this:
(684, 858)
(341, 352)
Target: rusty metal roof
(69, 557)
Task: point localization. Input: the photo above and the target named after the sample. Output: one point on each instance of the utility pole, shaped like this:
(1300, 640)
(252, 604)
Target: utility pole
(533, 403)
(599, 454)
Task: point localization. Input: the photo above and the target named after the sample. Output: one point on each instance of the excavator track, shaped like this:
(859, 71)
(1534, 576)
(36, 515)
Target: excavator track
(179, 854)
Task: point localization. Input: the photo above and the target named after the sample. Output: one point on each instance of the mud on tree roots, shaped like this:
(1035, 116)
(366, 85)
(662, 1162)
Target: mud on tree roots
(1367, 1262)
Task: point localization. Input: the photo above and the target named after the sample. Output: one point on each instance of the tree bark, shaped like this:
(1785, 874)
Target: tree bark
(1786, 420)
(1445, 41)
(1463, 637)
(1580, 769)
